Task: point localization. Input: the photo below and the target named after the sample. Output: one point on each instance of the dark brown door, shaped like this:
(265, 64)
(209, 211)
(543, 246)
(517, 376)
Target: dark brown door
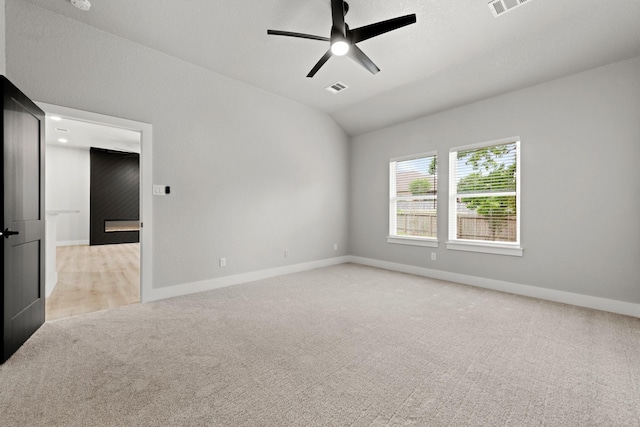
(23, 228)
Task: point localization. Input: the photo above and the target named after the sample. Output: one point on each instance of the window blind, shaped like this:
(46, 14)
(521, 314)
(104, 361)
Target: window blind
(413, 201)
(484, 193)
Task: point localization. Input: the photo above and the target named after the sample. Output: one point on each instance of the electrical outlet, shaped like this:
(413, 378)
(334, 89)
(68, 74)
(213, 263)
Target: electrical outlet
(223, 262)
(433, 256)
(335, 246)
(286, 253)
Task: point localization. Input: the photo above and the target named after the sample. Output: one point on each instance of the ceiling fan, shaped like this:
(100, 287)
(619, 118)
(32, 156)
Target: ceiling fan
(343, 39)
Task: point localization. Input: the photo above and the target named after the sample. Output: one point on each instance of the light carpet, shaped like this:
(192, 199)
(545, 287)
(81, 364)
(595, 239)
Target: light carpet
(346, 345)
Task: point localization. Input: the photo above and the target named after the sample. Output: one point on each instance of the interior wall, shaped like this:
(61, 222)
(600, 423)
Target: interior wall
(580, 183)
(251, 173)
(2, 38)
(67, 188)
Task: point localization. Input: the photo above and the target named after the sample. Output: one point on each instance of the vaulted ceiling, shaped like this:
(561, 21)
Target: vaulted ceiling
(456, 53)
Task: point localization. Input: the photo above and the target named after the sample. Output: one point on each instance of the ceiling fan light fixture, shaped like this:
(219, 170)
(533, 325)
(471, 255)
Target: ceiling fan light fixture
(344, 40)
(339, 48)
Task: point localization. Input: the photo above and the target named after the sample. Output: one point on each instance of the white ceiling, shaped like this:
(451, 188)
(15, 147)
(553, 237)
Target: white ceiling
(457, 53)
(83, 135)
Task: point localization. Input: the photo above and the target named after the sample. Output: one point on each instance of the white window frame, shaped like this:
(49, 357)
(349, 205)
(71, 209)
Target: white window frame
(431, 242)
(499, 248)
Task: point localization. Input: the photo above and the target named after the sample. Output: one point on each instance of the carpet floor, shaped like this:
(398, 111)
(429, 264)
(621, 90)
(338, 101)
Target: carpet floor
(346, 345)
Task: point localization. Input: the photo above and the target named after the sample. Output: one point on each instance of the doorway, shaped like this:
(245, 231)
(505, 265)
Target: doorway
(93, 277)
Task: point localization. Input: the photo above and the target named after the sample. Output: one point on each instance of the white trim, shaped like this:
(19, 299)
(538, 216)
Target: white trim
(146, 178)
(580, 300)
(222, 282)
(414, 241)
(51, 283)
(452, 216)
(597, 303)
(485, 144)
(518, 190)
(72, 243)
(487, 248)
(393, 209)
(414, 156)
(394, 198)
(482, 246)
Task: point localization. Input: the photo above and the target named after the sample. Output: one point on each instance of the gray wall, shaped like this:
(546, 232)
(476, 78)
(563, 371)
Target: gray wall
(2, 38)
(251, 173)
(580, 183)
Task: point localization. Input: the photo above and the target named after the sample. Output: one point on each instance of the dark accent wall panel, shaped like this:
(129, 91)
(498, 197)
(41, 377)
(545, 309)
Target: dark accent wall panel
(115, 195)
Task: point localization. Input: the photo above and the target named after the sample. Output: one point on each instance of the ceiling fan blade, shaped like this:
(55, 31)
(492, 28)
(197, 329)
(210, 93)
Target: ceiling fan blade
(299, 35)
(363, 33)
(320, 63)
(358, 55)
(337, 16)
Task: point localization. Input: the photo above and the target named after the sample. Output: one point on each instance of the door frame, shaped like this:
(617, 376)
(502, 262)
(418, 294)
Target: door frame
(146, 181)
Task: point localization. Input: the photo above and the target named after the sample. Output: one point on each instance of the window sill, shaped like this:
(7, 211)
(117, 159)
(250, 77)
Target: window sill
(488, 248)
(413, 241)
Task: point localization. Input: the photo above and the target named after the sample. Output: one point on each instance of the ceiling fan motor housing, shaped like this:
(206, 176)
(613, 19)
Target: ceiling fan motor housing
(343, 40)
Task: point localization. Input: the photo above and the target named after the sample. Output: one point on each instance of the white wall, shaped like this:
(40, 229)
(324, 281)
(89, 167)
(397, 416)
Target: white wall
(251, 173)
(67, 188)
(580, 183)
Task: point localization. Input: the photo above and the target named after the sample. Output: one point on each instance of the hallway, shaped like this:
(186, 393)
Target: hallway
(93, 278)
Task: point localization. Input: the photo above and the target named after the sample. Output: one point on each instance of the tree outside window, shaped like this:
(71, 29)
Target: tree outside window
(486, 184)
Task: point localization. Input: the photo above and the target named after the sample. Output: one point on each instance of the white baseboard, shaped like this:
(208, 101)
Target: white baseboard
(72, 243)
(51, 283)
(221, 282)
(603, 304)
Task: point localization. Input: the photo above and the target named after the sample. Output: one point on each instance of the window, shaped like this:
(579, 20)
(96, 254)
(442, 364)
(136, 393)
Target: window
(413, 203)
(484, 197)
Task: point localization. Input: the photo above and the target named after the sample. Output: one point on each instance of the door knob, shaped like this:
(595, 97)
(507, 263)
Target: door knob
(8, 233)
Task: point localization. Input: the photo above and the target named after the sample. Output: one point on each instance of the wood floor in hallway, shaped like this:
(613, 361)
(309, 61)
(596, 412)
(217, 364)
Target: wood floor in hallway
(93, 278)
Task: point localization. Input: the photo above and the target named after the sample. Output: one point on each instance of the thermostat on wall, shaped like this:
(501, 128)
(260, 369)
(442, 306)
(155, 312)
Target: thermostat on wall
(161, 190)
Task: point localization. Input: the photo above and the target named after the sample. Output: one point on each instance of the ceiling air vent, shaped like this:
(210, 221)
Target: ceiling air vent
(337, 87)
(81, 4)
(499, 7)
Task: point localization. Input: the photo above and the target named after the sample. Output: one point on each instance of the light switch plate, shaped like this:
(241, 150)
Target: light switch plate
(160, 190)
